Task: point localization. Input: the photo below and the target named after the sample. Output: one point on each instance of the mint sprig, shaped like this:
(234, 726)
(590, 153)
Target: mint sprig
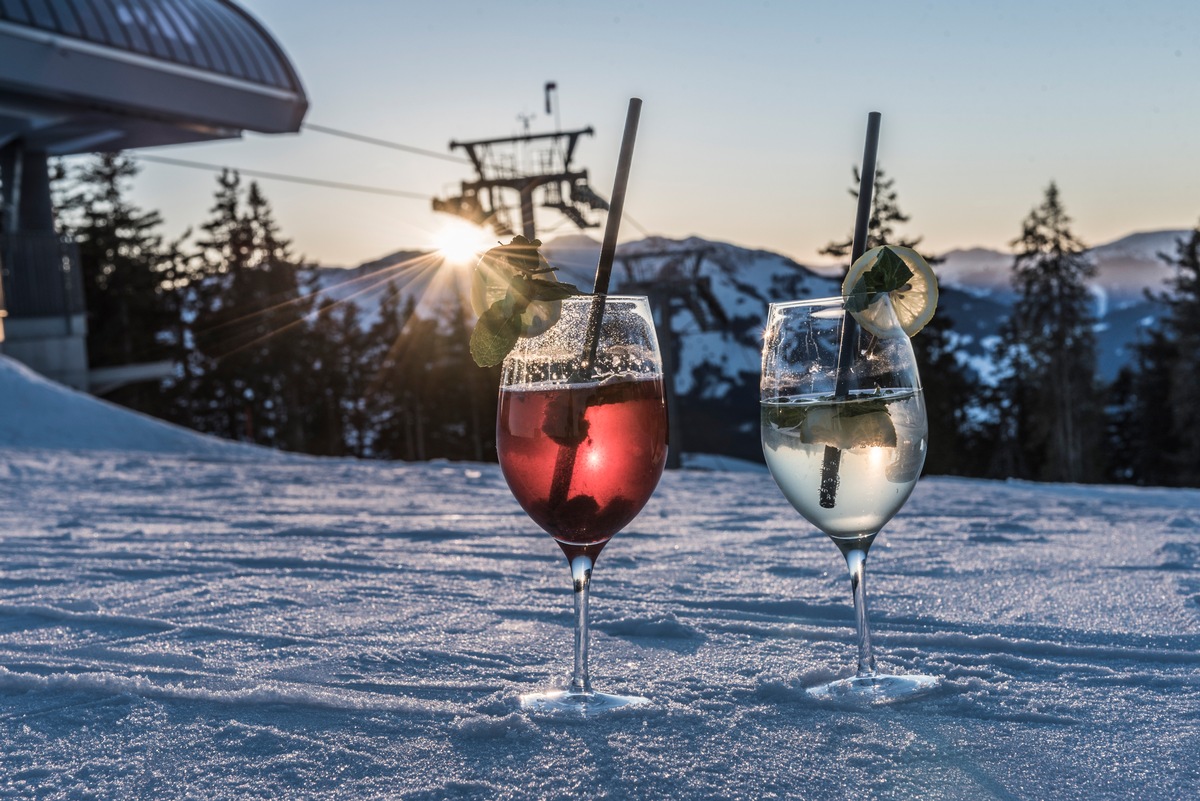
(887, 274)
(794, 415)
(842, 424)
(497, 331)
(519, 264)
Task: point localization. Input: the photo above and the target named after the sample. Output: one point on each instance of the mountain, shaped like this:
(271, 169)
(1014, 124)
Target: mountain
(1126, 269)
(367, 284)
(1132, 265)
(715, 295)
(717, 316)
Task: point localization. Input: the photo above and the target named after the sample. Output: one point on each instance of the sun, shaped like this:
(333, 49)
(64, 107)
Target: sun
(461, 243)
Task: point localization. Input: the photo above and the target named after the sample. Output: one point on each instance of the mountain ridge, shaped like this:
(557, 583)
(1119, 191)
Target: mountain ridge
(718, 333)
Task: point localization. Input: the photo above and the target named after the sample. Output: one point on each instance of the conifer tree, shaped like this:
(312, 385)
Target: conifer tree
(1167, 380)
(336, 415)
(397, 398)
(248, 316)
(463, 394)
(176, 399)
(287, 348)
(123, 262)
(1184, 328)
(209, 392)
(1049, 403)
(885, 215)
(1141, 444)
(949, 386)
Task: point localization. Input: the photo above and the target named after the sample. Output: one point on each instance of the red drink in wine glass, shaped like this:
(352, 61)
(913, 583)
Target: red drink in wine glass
(582, 440)
(618, 433)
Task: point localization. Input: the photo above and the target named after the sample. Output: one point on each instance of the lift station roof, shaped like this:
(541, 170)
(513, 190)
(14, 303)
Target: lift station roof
(80, 76)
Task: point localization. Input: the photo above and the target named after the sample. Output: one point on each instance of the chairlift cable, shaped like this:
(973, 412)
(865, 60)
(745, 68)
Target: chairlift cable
(275, 176)
(371, 140)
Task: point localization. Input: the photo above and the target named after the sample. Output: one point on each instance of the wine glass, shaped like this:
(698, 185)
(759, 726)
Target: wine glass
(581, 433)
(844, 434)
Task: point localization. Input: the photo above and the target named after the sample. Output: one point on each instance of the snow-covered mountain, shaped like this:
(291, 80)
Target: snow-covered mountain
(717, 326)
(720, 291)
(367, 284)
(1125, 269)
(976, 285)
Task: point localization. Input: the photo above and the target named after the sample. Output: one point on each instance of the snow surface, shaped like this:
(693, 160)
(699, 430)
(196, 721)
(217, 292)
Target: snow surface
(198, 620)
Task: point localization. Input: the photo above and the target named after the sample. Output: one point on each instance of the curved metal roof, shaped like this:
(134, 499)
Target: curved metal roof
(84, 75)
(208, 35)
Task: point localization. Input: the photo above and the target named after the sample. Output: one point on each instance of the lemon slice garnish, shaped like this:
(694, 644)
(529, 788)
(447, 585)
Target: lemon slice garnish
(914, 302)
(828, 425)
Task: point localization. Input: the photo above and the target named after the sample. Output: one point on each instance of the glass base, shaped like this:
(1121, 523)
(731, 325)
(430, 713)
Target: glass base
(876, 689)
(580, 704)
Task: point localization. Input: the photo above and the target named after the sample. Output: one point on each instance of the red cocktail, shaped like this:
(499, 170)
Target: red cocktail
(582, 438)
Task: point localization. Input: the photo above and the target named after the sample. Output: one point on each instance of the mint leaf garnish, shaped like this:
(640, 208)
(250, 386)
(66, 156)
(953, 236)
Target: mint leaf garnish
(787, 417)
(529, 305)
(497, 332)
(540, 289)
(522, 255)
(887, 274)
(844, 424)
(861, 407)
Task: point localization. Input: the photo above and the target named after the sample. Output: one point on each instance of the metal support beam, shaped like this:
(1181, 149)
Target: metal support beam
(46, 324)
(10, 185)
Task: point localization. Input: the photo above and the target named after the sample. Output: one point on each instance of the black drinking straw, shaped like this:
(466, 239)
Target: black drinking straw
(564, 465)
(866, 188)
(608, 247)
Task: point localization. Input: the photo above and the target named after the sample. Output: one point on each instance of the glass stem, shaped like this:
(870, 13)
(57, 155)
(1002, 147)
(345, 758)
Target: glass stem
(581, 576)
(856, 560)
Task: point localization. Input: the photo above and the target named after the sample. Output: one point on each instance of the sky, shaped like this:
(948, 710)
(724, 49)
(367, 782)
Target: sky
(754, 113)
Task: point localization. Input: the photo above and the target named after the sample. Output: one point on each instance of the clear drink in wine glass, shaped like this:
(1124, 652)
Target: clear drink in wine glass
(844, 433)
(581, 434)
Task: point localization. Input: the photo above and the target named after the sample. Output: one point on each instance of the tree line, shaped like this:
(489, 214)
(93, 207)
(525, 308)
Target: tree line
(262, 354)
(1047, 415)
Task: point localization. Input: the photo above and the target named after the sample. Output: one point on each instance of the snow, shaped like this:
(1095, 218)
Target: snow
(40, 413)
(1142, 246)
(204, 620)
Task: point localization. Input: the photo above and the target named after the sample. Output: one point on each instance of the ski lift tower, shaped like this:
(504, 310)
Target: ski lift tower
(675, 284)
(536, 168)
(86, 76)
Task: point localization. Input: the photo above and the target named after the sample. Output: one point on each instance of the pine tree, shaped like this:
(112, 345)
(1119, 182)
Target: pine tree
(1049, 399)
(396, 400)
(1168, 376)
(885, 214)
(176, 399)
(130, 303)
(384, 396)
(286, 342)
(336, 414)
(1184, 322)
(949, 386)
(215, 392)
(1141, 444)
(463, 395)
(248, 313)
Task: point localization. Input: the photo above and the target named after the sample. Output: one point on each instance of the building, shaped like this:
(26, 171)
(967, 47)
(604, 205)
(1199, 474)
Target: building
(83, 76)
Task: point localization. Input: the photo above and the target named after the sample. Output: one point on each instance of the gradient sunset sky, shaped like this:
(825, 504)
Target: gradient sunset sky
(754, 113)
